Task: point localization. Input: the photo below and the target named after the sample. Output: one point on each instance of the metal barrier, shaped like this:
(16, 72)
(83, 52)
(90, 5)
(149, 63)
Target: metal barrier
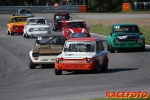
(40, 9)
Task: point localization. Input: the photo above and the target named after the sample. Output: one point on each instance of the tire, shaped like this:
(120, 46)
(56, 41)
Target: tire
(112, 49)
(11, 33)
(142, 49)
(32, 65)
(108, 47)
(97, 68)
(24, 35)
(105, 67)
(27, 36)
(58, 72)
(8, 33)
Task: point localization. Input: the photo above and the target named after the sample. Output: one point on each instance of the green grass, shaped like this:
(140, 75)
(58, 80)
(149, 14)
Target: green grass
(105, 30)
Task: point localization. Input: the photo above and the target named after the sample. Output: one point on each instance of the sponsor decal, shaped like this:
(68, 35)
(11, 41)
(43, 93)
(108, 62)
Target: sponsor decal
(127, 94)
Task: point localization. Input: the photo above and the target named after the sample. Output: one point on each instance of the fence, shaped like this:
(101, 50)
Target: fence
(44, 9)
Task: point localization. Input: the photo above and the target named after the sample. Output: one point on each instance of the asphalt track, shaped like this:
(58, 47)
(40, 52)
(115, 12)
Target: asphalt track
(128, 71)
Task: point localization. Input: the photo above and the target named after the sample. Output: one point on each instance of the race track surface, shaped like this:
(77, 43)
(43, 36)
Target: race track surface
(128, 71)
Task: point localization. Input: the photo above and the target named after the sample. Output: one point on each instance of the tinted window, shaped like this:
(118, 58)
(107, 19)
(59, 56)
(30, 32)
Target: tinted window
(126, 29)
(76, 25)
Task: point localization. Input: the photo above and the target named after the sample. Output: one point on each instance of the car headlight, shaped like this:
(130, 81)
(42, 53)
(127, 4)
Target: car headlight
(69, 32)
(31, 30)
(89, 60)
(139, 40)
(58, 60)
(86, 31)
(116, 41)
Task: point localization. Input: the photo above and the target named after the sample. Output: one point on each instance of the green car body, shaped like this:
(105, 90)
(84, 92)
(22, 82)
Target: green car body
(125, 36)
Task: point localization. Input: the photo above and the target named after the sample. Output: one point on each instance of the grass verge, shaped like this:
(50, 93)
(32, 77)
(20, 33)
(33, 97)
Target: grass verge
(105, 30)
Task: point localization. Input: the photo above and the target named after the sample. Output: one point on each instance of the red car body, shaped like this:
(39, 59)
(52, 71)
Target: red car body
(75, 26)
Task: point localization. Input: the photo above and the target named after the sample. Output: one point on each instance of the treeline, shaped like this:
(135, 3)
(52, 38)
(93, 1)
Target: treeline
(92, 5)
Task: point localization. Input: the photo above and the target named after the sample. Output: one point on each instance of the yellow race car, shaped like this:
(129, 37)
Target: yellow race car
(16, 25)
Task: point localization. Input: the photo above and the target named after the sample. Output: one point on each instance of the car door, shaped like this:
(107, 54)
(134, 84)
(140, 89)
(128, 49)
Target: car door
(99, 53)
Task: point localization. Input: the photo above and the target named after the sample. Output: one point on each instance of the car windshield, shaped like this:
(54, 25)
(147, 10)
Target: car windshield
(76, 25)
(24, 12)
(126, 29)
(19, 19)
(79, 47)
(63, 17)
(75, 35)
(36, 21)
(50, 41)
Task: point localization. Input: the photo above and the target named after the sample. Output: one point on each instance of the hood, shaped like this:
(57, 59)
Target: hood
(19, 23)
(44, 49)
(76, 56)
(127, 36)
(38, 26)
(77, 30)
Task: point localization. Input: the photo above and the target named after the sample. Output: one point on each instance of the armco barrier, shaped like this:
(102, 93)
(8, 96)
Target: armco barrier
(43, 9)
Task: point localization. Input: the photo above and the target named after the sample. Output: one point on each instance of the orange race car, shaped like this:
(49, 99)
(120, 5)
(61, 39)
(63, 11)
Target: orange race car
(82, 54)
(16, 25)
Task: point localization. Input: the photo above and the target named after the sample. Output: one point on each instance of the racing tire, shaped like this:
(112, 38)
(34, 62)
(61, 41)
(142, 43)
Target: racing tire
(108, 47)
(96, 68)
(142, 49)
(24, 35)
(105, 67)
(112, 49)
(11, 33)
(8, 33)
(58, 72)
(27, 36)
(32, 65)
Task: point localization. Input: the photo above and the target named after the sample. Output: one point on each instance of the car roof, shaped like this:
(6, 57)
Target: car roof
(83, 39)
(37, 18)
(63, 13)
(23, 9)
(75, 21)
(51, 35)
(125, 23)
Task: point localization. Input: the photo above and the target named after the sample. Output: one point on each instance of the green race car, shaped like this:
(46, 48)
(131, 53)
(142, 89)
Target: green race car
(125, 36)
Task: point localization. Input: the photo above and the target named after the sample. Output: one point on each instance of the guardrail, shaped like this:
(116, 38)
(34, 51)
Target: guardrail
(44, 9)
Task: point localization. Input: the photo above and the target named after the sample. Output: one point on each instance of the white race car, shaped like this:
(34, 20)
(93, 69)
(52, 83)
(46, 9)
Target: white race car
(45, 50)
(36, 26)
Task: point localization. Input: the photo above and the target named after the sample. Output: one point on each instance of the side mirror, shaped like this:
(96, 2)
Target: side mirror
(88, 28)
(141, 33)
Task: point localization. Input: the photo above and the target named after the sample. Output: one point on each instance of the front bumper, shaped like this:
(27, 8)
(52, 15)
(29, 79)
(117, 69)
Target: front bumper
(37, 33)
(43, 59)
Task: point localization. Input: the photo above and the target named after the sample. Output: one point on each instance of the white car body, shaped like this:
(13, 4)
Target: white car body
(33, 27)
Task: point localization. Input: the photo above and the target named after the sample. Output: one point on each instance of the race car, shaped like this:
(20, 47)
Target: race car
(125, 36)
(23, 12)
(59, 20)
(82, 54)
(36, 26)
(16, 25)
(45, 50)
(75, 26)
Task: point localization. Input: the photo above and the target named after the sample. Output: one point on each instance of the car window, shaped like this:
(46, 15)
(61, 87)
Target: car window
(19, 19)
(36, 21)
(79, 47)
(99, 46)
(63, 17)
(76, 25)
(50, 41)
(126, 29)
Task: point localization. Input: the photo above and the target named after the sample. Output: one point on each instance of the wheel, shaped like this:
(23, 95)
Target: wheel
(27, 36)
(24, 35)
(32, 65)
(97, 68)
(58, 72)
(11, 33)
(142, 49)
(8, 33)
(108, 47)
(112, 49)
(105, 67)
